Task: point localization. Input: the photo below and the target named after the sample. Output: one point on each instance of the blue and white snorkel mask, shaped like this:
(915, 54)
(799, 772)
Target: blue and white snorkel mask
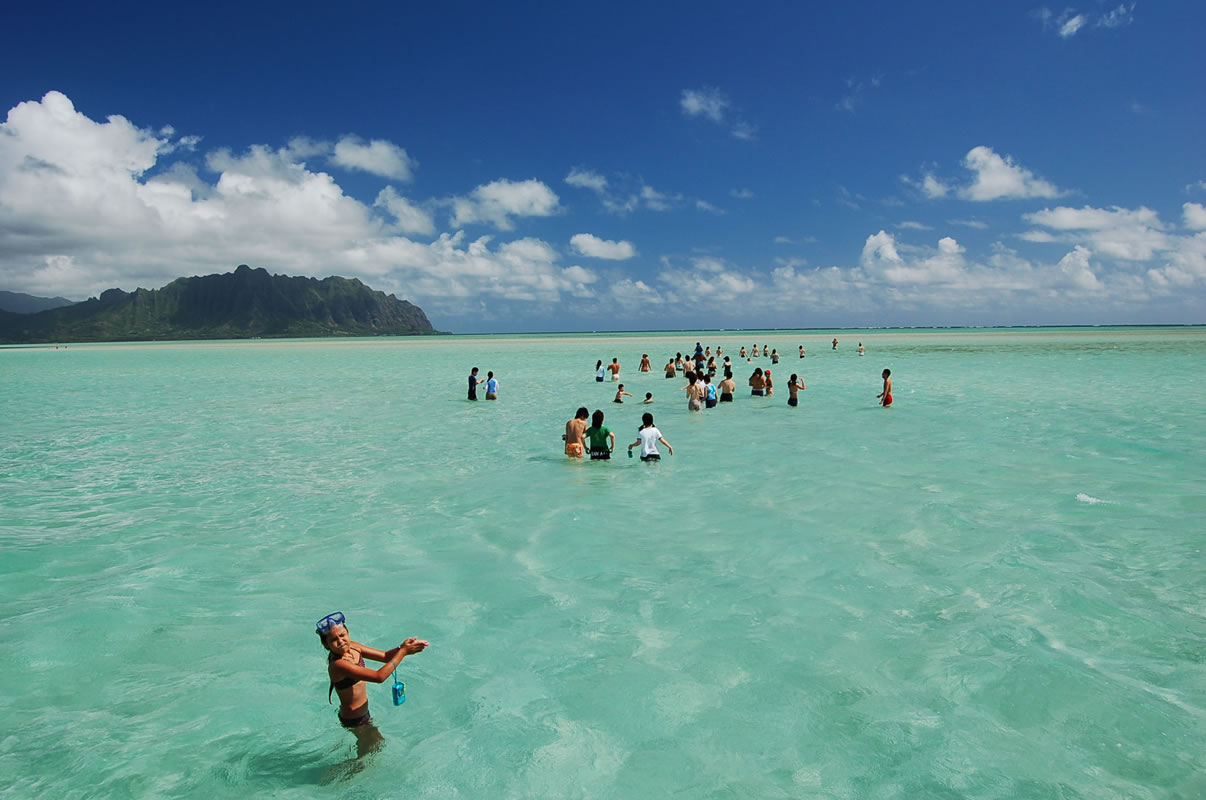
(330, 621)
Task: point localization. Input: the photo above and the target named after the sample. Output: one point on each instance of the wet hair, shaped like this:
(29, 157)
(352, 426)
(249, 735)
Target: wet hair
(596, 419)
(887, 372)
(490, 374)
(621, 387)
(794, 378)
(648, 395)
(583, 413)
(646, 420)
(598, 363)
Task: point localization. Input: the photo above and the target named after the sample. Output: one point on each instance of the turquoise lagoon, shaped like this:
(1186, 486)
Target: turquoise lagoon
(993, 589)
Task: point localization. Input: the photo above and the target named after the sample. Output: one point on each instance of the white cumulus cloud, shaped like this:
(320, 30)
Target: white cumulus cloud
(998, 177)
(378, 157)
(1195, 216)
(495, 203)
(411, 218)
(592, 246)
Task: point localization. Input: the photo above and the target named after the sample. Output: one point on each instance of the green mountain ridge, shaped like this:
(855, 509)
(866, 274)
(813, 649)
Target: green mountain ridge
(21, 303)
(242, 304)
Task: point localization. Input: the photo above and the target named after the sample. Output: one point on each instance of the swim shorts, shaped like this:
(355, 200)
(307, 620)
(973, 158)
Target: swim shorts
(711, 403)
(600, 454)
(651, 457)
(574, 450)
(726, 397)
(753, 393)
(791, 401)
(599, 379)
(887, 401)
(360, 721)
(491, 396)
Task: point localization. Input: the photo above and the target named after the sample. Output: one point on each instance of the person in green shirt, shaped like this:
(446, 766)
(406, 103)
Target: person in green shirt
(602, 441)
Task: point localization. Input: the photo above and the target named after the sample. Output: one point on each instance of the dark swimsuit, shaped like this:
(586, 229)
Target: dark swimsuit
(348, 683)
(726, 397)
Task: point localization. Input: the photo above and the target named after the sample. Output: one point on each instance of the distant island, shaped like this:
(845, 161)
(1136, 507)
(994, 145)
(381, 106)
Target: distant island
(242, 304)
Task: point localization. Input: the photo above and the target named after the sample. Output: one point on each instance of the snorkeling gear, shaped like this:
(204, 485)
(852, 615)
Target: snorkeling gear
(329, 621)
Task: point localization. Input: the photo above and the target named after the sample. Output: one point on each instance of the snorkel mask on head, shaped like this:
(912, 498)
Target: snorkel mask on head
(324, 625)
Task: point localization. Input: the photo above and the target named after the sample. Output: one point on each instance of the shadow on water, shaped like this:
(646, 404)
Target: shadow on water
(304, 763)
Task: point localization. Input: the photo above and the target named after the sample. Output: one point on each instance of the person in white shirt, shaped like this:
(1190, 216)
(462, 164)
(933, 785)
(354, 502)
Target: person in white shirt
(648, 437)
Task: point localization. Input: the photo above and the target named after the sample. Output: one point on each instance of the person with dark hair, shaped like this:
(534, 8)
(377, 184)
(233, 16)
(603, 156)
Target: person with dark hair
(474, 382)
(575, 434)
(645, 365)
(795, 385)
(491, 386)
(347, 672)
(600, 370)
(648, 437)
(602, 440)
(671, 372)
(709, 392)
(621, 394)
(694, 393)
(727, 387)
(614, 369)
(648, 397)
(886, 395)
(757, 383)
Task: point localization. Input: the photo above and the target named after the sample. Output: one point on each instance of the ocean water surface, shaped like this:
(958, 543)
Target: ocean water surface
(993, 589)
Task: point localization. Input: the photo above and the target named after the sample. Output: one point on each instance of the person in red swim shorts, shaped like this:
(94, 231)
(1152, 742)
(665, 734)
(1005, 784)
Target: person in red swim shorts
(885, 397)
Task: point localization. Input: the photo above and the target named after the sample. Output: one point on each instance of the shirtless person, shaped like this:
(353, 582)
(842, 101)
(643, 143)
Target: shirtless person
(861, 350)
(795, 385)
(743, 351)
(801, 351)
(621, 394)
(614, 369)
(727, 387)
(670, 369)
(885, 397)
(645, 365)
(835, 343)
(757, 383)
(575, 434)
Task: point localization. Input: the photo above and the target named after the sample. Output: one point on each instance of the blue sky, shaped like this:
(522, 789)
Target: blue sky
(528, 166)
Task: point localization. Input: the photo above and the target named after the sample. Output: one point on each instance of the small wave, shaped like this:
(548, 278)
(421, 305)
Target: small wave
(1090, 499)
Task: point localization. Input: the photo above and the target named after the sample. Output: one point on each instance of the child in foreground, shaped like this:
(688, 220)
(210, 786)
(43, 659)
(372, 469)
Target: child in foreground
(648, 437)
(347, 671)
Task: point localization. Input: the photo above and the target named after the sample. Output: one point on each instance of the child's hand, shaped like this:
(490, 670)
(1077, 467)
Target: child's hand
(413, 645)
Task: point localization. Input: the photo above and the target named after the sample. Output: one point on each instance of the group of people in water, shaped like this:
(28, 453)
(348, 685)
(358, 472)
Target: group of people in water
(702, 392)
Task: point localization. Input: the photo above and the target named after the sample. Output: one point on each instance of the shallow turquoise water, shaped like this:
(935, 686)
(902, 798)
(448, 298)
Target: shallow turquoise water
(993, 589)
